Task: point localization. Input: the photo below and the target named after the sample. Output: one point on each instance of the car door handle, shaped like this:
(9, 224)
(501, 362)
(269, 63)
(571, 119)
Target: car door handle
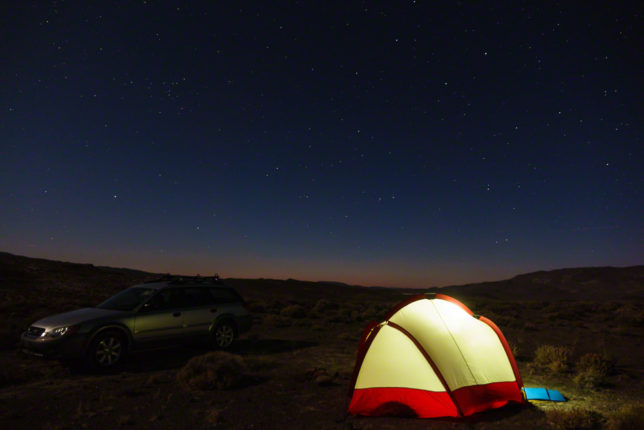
(213, 310)
(176, 314)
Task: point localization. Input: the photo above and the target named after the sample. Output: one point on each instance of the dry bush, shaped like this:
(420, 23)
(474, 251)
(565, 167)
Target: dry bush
(504, 320)
(629, 416)
(574, 419)
(334, 317)
(530, 326)
(349, 337)
(593, 370)
(257, 306)
(274, 307)
(156, 379)
(345, 314)
(214, 371)
(630, 314)
(551, 358)
(277, 321)
(371, 313)
(514, 348)
(293, 311)
(323, 305)
(260, 363)
(321, 376)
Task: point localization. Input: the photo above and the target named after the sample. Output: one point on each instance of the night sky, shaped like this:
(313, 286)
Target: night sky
(380, 143)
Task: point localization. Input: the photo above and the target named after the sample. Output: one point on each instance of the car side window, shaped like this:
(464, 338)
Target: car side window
(166, 299)
(222, 295)
(159, 302)
(195, 297)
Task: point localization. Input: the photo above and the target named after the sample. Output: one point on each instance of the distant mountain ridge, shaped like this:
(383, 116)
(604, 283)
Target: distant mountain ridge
(585, 283)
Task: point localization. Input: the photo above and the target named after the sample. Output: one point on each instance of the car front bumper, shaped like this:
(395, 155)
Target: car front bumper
(64, 347)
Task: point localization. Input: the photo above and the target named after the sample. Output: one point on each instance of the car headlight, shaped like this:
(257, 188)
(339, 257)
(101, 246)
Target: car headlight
(59, 331)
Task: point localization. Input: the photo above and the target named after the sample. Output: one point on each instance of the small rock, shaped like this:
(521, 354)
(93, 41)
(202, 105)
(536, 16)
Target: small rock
(324, 380)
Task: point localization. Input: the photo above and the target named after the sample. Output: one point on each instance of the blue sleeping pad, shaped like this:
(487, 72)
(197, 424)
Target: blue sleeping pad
(544, 394)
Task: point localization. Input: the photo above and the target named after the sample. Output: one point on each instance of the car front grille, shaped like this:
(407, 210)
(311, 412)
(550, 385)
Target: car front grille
(34, 331)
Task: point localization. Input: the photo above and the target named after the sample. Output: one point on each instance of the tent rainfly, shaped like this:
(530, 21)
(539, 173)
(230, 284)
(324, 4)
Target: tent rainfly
(432, 357)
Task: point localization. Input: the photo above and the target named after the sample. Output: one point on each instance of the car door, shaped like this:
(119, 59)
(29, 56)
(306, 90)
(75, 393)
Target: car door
(160, 320)
(199, 313)
(227, 301)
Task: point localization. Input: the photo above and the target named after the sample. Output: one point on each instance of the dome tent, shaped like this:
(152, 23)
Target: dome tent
(432, 357)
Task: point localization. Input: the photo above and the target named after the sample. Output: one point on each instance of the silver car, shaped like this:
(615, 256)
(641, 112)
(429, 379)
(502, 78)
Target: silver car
(150, 315)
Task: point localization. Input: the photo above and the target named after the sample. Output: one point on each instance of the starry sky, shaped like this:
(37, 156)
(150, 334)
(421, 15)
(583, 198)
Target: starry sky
(402, 143)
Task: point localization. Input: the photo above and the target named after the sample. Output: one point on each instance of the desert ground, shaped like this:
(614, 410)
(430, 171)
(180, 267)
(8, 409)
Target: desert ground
(575, 330)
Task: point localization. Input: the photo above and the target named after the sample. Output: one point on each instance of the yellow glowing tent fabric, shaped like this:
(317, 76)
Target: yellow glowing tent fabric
(433, 357)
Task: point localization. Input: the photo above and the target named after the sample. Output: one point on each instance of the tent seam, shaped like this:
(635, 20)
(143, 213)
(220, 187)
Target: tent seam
(455, 343)
(431, 363)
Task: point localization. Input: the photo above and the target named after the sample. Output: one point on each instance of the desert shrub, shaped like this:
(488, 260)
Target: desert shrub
(156, 379)
(277, 320)
(213, 371)
(514, 348)
(293, 311)
(630, 314)
(324, 305)
(334, 317)
(274, 307)
(593, 370)
(574, 419)
(629, 416)
(551, 358)
(343, 316)
(530, 326)
(321, 376)
(349, 337)
(372, 312)
(256, 306)
(260, 363)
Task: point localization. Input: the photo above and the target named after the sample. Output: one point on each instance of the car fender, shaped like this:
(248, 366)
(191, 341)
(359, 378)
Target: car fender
(228, 317)
(111, 326)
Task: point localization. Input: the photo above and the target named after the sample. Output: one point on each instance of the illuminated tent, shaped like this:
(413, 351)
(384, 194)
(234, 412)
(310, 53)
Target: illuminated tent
(432, 357)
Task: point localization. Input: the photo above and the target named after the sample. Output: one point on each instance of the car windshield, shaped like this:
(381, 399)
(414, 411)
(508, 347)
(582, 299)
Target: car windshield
(127, 300)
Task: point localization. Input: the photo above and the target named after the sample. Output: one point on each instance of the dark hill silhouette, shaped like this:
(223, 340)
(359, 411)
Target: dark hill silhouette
(33, 277)
(581, 284)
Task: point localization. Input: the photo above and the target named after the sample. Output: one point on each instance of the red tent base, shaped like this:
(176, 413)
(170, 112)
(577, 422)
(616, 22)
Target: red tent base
(429, 404)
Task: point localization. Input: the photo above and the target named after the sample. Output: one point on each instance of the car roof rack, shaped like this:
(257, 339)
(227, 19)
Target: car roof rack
(181, 279)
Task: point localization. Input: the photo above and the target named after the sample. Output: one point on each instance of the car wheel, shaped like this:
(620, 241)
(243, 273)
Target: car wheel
(107, 350)
(224, 335)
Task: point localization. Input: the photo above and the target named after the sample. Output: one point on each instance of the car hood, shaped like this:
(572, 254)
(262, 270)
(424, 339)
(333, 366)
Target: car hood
(74, 317)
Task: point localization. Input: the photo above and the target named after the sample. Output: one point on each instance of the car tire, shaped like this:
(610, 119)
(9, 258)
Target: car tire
(107, 350)
(224, 335)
